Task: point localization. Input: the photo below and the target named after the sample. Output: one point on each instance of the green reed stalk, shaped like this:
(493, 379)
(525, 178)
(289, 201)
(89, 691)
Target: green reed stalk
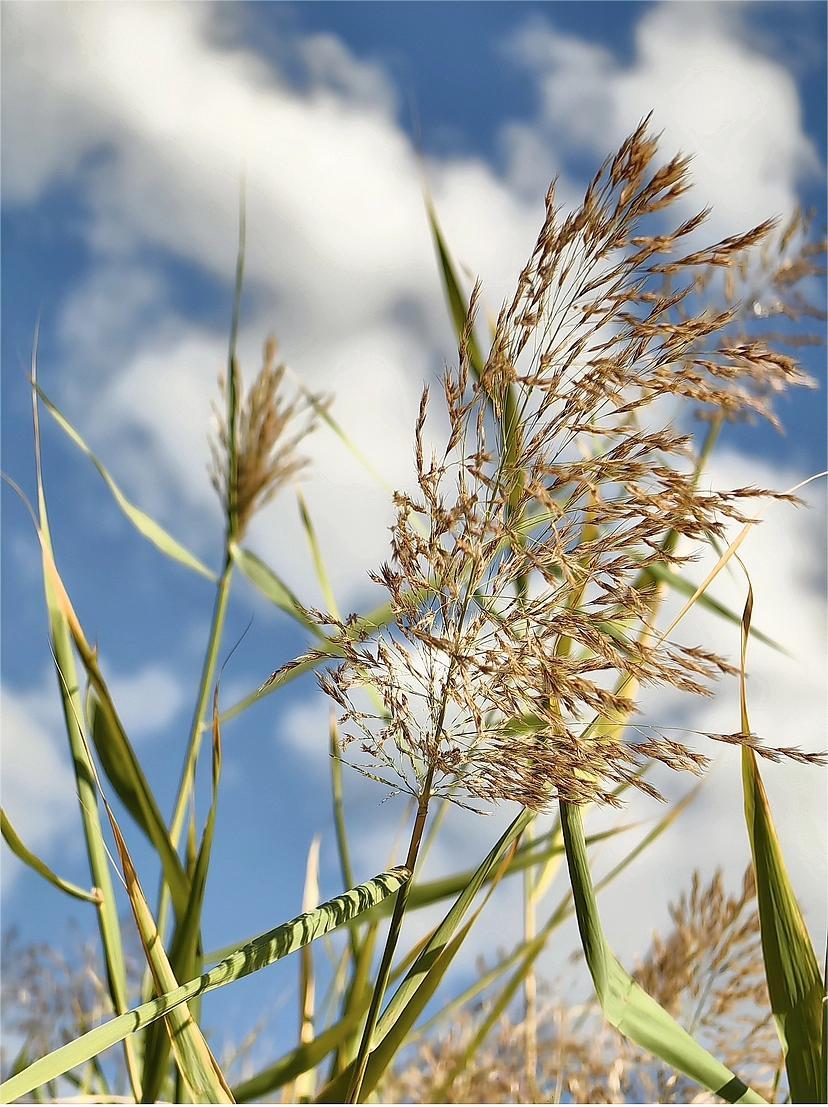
(394, 929)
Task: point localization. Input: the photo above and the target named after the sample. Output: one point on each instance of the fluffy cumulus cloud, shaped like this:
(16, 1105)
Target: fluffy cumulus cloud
(339, 259)
(152, 113)
(37, 784)
(149, 113)
(714, 94)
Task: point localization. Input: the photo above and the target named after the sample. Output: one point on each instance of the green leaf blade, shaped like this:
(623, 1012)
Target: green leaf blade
(625, 1004)
(256, 955)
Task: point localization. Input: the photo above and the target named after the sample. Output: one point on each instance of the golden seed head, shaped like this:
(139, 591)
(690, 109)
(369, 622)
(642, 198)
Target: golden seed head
(258, 455)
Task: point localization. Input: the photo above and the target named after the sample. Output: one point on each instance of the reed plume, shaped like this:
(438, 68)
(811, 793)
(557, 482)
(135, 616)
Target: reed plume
(255, 447)
(560, 469)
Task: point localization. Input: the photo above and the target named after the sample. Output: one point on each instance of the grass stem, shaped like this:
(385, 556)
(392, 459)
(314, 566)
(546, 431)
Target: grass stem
(390, 943)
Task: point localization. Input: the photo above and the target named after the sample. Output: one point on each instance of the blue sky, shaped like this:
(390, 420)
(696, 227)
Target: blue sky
(126, 128)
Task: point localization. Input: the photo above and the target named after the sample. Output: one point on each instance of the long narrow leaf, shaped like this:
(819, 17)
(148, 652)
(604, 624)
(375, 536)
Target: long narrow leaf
(254, 956)
(272, 587)
(688, 588)
(68, 685)
(196, 1063)
(124, 772)
(322, 574)
(795, 987)
(185, 949)
(142, 522)
(18, 846)
(625, 1004)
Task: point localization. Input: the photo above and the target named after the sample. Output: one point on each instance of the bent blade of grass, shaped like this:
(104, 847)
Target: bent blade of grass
(19, 847)
(316, 554)
(456, 301)
(687, 588)
(510, 424)
(251, 958)
(625, 1004)
(792, 973)
(323, 412)
(143, 523)
(531, 949)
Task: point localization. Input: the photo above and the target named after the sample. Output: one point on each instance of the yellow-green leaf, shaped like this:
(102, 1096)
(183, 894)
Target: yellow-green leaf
(18, 846)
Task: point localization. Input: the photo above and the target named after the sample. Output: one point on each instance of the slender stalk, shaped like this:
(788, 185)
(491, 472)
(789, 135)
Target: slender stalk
(205, 690)
(390, 944)
(340, 825)
(197, 730)
(530, 984)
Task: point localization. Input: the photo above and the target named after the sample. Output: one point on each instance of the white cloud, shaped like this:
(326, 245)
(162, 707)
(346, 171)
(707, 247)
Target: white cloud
(147, 700)
(38, 788)
(158, 116)
(714, 94)
(37, 784)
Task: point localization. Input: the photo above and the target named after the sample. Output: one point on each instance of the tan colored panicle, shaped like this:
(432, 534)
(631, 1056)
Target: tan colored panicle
(267, 434)
(518, 577)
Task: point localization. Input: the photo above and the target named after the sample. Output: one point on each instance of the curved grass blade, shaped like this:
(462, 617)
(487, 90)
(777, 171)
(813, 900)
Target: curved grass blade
(661, 573)
(625, 1004)
(322, 410)
(510, 422)
(456, 301)
(18, 846)
(253, 957)
(142, 522)
(316, 553)
(795, 987)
